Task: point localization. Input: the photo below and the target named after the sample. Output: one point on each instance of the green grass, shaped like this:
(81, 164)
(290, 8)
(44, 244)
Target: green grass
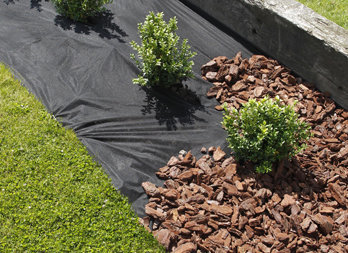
(335, 10)
(53, 196)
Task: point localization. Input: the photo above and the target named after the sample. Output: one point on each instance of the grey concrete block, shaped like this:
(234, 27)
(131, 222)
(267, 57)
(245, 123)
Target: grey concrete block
(312, 46)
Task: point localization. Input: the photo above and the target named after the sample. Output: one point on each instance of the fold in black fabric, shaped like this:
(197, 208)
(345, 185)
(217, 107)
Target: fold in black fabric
(83, 75)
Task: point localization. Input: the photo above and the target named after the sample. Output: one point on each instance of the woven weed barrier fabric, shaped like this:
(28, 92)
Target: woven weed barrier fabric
(83, 75)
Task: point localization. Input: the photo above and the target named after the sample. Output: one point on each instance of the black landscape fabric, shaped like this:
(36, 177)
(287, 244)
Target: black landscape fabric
(83, 75)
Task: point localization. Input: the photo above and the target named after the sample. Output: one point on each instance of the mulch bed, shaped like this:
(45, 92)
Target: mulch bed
(214, 204)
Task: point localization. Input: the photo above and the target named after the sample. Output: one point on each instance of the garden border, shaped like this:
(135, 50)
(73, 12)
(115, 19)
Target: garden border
(313, 46)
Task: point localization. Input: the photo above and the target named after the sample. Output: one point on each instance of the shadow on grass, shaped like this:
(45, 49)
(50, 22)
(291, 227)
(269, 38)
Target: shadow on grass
(173, 106)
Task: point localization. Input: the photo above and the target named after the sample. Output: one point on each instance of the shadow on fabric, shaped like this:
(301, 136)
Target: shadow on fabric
(36, 4)
(102, 24)
(11, 1)
(172, 107)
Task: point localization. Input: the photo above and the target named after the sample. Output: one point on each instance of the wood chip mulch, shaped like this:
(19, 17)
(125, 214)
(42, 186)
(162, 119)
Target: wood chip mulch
(214, 204)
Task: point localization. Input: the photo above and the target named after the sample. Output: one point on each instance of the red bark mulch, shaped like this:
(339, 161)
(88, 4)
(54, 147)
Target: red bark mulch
(214, 204)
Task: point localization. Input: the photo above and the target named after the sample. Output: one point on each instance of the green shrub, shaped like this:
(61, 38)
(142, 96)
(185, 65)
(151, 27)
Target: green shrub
(80, 10)
(163, 61)
(265, 132)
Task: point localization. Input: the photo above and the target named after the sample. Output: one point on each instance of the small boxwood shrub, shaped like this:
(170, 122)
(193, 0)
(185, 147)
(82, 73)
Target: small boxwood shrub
(163, 61)
(80, 10)
(265, 132)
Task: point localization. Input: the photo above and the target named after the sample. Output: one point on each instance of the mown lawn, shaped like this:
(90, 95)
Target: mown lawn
(53, 196)
(335, 10)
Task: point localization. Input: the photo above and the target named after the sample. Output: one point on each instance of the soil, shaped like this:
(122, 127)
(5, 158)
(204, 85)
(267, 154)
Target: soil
(215, 204)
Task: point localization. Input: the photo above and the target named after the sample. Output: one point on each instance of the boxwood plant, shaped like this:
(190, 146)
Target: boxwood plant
(161, 58)
(265, 132)
(80, 10)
